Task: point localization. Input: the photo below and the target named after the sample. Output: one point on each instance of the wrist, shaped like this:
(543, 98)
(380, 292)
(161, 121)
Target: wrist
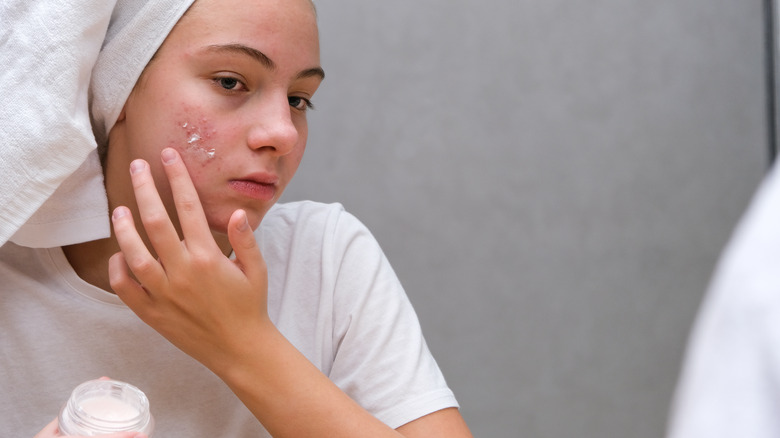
(247, 353)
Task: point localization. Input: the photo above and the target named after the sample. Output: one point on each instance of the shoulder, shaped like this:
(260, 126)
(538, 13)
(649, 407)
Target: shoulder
(307, 219)
(321, 238)
(19, 258)
(293, 212)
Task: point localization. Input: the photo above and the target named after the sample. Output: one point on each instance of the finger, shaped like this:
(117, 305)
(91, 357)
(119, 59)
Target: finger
(158, 225)
(134, 252)
(242, 239)
(49, 431)
(126, 288)
(192, 219)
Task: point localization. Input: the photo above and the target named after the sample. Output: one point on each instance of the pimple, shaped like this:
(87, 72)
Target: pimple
(197, 144)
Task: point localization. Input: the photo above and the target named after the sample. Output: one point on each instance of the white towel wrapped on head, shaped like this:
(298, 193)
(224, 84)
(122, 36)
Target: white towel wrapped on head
(53, 191)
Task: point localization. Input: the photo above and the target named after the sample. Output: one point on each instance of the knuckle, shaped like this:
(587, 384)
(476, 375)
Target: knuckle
(142, 266)
(202, 261)
(187, 205)
(155, 220)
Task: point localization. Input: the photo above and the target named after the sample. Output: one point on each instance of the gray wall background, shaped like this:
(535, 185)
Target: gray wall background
(553, 182)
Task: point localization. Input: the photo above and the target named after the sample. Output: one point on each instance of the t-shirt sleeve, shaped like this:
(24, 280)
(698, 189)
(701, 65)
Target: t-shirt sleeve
(381, 358)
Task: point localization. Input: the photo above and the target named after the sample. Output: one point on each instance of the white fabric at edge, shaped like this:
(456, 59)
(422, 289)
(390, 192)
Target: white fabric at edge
(78, 210)
(48, 50)
(730, 383)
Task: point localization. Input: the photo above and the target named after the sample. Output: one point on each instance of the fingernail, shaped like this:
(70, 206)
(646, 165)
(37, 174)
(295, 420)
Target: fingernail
(243, 225)
(119, 212)
(168, 156)
(137, 166)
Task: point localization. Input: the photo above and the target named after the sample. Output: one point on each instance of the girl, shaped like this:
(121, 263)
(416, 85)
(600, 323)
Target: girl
(299, 328)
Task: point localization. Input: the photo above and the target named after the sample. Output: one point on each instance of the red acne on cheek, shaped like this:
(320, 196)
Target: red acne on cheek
(196, 140)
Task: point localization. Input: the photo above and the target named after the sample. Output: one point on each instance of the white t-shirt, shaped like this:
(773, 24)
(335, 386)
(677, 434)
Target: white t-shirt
(332, 293)
(730, 383)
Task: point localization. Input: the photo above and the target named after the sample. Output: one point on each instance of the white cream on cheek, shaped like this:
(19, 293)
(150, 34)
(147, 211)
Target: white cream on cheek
(196, 145)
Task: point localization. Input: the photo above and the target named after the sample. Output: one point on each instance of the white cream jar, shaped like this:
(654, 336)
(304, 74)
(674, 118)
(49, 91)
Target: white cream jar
(100, 407)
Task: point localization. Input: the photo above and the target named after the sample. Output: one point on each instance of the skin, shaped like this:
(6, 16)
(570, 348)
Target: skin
(180, 211)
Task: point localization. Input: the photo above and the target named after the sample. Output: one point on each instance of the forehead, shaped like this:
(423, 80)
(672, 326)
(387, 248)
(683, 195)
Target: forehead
(279, 28)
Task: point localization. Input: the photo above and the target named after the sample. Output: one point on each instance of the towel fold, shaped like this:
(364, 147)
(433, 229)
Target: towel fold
(48, 50)
(62, 59)
(76, 212)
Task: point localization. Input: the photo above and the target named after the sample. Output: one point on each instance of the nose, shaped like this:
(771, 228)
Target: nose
(272, 127)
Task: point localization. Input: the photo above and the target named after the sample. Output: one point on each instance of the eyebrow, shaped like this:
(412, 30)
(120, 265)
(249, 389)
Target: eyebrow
(262, 58)
(312, 72)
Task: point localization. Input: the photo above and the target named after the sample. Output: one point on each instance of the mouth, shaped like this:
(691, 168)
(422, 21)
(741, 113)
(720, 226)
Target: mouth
(261, 187)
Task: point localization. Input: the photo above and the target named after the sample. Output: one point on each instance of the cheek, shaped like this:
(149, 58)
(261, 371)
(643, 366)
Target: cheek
(196, 139)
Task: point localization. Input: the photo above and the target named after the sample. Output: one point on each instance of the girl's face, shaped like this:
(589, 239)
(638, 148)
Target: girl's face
(228, 89)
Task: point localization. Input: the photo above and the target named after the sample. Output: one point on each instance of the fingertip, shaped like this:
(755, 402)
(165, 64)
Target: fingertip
(169, 155)
(243, 221)
(118, 273)
(115, 269)
(137, 166)
(120, 212)
(241, 235)
(52, 427)
(115, 262)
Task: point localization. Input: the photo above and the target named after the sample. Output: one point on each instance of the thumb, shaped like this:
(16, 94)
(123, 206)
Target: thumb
(50, 431)
(242, 239)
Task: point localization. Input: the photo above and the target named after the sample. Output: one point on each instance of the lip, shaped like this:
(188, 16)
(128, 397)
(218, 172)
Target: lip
(258, 186)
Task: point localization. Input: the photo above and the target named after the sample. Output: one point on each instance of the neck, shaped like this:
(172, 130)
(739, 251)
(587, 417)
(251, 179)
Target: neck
(90, 259)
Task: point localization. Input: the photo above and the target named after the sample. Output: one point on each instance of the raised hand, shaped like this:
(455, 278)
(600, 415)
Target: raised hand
(206, 304)
(215, 309)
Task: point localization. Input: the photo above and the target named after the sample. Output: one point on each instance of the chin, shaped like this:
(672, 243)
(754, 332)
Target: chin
(254, 219)
(218, 225)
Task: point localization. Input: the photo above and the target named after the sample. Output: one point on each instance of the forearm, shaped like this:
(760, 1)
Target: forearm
(290, 396)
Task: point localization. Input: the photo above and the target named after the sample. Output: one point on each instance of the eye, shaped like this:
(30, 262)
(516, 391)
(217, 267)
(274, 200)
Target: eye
(229, 83)
(300, 103)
